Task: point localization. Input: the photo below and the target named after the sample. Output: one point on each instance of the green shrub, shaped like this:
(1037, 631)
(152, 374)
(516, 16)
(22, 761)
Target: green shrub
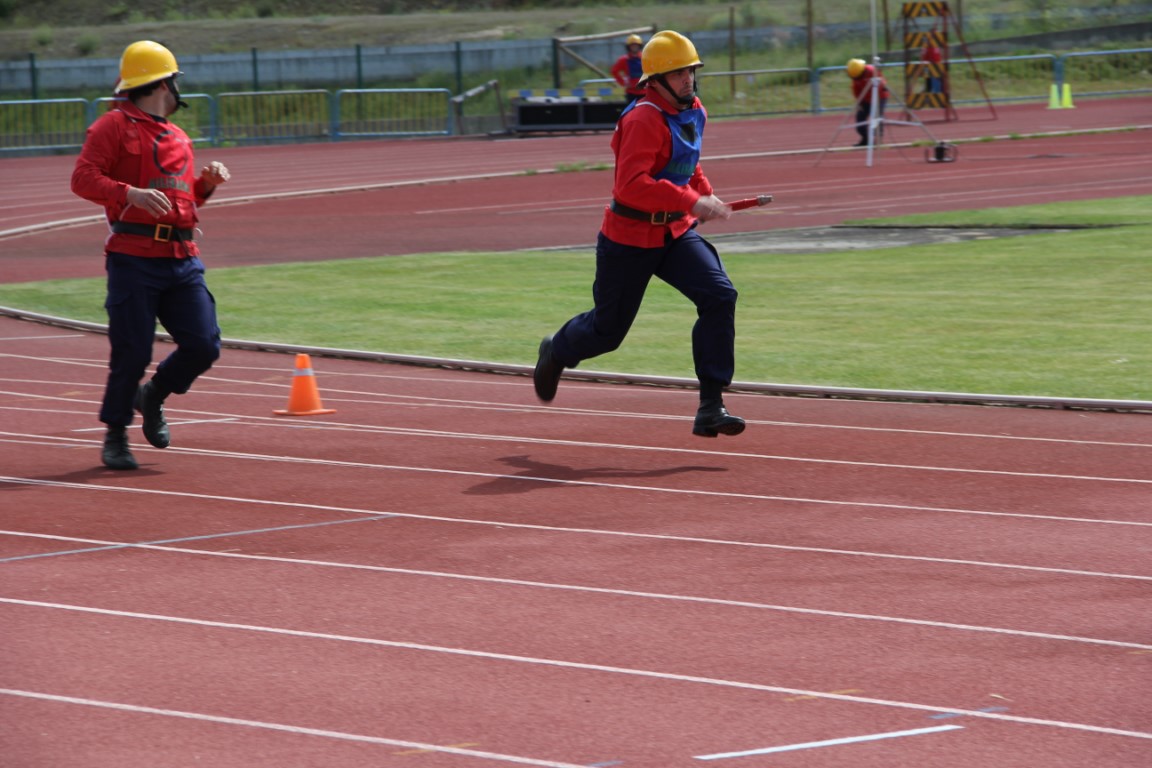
(42, 37)
(87, 44)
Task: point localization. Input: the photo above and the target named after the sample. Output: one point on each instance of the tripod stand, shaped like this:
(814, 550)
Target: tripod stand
(875, 122)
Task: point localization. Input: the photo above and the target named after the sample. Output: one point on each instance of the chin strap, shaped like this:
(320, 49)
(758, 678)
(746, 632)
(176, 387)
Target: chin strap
(176, 92)
(683, 103)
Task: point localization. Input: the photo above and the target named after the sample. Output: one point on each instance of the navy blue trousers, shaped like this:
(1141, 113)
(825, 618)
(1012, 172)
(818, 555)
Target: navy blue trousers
(864, 116)
(142, 291)
(690, 265)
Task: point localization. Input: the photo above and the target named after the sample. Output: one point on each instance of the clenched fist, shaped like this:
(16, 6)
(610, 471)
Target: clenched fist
(711, 207)
(214, 174)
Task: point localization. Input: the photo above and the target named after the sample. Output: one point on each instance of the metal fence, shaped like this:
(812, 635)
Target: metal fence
(48, 125)
(1107, 73)
(44, 124)
(199, 120)
(1004, 79)
(264, 117)
(369, 113)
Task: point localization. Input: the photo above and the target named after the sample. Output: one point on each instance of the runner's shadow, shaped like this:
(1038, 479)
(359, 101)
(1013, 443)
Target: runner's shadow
(535, 475)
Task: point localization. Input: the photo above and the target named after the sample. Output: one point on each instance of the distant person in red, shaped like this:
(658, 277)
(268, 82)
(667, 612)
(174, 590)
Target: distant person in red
(138, 165)
(628, 69)
(863, 74)
(932, 55)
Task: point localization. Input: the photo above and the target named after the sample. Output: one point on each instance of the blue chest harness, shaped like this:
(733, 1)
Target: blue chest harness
(687, 129)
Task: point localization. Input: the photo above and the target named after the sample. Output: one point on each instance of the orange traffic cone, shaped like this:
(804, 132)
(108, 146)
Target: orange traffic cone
(304, 399)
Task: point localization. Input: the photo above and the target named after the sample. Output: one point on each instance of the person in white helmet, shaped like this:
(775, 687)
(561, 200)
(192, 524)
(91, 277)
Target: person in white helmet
(659, 195)
(138, 165)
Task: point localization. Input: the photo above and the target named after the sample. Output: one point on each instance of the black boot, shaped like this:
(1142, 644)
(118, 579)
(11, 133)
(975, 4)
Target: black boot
(116, 454)
(546, 377)
(150, 403)
(713, 419)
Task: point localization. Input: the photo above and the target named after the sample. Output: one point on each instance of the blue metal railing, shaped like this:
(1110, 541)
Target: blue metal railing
(43, 124)
(378, 113)
(52, 125)
(783, 91)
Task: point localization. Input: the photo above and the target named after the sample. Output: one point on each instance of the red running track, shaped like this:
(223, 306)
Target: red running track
(446, 573)
(495, 195)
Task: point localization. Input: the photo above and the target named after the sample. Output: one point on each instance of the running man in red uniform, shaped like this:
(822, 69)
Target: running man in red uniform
(659, 195)
(139, 166)
(629, 69)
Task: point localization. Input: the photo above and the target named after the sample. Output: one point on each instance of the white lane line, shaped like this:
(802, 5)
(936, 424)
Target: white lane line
(321, 423)
(831, 742)
(388, 397)
(65, 442)
(97, 545)
(587, 667)
(221, 719)
(106, 546)
(594, 531)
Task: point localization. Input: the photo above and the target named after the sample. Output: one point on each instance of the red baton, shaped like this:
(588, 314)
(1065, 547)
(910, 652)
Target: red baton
(750, 202)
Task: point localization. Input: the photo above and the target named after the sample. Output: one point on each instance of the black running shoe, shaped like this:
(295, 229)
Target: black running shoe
(151, 407)
(546, 377)
(713, 419)
(116, 454)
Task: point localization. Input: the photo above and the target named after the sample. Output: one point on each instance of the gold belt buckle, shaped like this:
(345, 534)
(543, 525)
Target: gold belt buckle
(163, 233)
(660, 218)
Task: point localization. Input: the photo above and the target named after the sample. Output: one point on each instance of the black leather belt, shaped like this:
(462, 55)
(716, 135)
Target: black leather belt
(162, 233)
(656, 219)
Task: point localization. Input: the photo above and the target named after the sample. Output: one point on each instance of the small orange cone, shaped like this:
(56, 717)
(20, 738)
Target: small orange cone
(304, 399)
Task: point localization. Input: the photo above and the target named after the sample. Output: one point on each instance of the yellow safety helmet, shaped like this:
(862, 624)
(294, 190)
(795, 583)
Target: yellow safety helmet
(145, 62)
(634, 40)
(856, 67)
(667, 52)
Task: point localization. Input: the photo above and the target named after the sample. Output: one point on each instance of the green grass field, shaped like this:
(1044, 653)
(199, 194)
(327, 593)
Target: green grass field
(1064, 314)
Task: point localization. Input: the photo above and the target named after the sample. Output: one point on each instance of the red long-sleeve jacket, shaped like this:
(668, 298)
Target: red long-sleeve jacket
(642, 144)
(627, 71)
(863, 85)
(127, 147)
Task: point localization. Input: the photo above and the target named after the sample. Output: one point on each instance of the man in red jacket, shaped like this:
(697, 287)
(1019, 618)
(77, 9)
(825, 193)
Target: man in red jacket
(866, 81)
(629, 69)
(139, 166)
(659, 196)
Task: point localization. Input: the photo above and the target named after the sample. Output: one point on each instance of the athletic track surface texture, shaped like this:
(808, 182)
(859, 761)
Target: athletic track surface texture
(447, 573)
